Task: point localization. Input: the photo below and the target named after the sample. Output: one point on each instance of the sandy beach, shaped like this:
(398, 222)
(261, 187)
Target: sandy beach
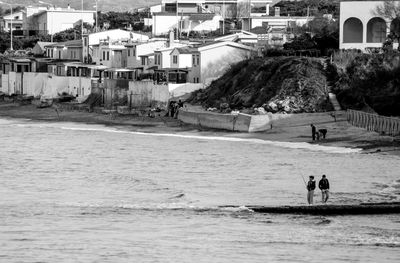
(295, 129)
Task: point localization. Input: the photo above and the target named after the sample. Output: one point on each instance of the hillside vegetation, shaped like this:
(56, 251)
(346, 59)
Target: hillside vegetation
(369, 82)
(288, 84)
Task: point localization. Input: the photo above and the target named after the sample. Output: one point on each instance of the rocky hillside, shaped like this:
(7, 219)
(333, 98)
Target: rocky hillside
(279, 84)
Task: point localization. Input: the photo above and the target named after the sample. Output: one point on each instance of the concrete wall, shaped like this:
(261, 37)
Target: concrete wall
(79, 87)
(241, 122)
(147, 94)
(115, 92)
(35, 84)
(45, 84)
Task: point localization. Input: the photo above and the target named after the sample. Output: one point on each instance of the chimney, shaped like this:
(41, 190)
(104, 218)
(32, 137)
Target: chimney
(171, 39)
(277, 11)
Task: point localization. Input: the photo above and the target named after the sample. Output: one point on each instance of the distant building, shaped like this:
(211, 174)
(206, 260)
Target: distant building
(360, 25)
(69, 50)
(15, 19)
(204, 15)
(39, 49)
(40, 20)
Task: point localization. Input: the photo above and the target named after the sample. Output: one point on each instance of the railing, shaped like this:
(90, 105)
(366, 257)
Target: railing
(374, 122)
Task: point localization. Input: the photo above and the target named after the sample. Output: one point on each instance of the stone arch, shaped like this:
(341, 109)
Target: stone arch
(353, 30)
(376, 30)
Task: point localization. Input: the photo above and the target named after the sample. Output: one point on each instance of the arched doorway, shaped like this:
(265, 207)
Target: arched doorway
(395, 28)
(376, 30)
(353, 31)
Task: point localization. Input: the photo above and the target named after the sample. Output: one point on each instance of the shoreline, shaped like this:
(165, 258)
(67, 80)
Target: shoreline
(297, 130)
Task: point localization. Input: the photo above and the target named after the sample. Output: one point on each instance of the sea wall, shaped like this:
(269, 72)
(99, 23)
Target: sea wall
(240, 122)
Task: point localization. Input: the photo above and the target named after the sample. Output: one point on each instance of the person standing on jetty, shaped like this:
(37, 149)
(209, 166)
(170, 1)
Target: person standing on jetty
(310, 188)
(324, 187)
(313, 131)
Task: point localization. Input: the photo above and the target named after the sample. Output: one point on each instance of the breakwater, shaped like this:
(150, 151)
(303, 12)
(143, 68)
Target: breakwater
(356, 209)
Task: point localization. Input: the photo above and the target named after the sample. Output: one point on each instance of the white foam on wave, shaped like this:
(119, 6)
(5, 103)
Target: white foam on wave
(289, 145)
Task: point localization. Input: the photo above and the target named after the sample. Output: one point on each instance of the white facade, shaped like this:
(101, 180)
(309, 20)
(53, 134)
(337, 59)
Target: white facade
(275, 22)
(51, 21)
(110, 56)
(216, 58)
(15, 20)
(137, 50)
(165, 22)
(360, 25)
(180, 59)
(115, 35)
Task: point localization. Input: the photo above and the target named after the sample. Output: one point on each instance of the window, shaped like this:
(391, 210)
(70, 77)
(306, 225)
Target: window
(175, 59)
(108, 55)
(85, 41)
(104, 55)
(129, 52)
(133, 52)
(193, 60)
(143, 61)
(198, 59)
(197, 80)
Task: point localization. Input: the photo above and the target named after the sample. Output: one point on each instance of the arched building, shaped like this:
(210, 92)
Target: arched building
(360, 25)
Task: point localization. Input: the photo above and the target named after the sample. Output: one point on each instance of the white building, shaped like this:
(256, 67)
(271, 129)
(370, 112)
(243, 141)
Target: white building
(115, 35)
(15, 19)
(274, 22)
(53, 20)
(360, 25)
(204, 15)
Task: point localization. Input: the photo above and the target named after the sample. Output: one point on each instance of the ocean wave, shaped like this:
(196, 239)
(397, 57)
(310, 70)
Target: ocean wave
(173, 206)
(281, 144)
(290, 145)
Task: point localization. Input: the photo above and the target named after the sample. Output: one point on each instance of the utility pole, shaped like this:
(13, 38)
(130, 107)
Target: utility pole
(223, 17)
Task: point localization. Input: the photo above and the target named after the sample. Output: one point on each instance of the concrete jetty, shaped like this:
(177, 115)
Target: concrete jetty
(330, 209)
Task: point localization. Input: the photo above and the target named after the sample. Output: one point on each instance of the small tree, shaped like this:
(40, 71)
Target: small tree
(390, 9)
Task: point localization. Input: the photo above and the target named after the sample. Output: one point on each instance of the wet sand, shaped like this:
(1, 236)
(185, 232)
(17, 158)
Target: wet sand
(295, 129)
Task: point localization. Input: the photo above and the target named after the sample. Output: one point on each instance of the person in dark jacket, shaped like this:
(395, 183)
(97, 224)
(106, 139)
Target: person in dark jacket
(310, 188)
(324, 187)
(313, 131)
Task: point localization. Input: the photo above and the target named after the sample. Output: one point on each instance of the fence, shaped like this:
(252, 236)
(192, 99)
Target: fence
(374, 122)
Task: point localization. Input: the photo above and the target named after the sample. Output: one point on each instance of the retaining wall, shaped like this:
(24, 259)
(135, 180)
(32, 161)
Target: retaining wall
(240, 122)
(374, 122)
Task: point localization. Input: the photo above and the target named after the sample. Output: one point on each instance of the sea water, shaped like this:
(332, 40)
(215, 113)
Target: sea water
(89, 193)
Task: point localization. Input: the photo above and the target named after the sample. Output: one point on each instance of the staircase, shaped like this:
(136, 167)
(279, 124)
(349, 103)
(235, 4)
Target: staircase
(334, 102)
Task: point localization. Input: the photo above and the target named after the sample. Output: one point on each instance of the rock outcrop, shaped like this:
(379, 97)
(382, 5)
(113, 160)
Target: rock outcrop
(279, 84)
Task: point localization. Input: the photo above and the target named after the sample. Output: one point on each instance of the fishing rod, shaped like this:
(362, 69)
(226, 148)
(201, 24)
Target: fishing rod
(303, 179)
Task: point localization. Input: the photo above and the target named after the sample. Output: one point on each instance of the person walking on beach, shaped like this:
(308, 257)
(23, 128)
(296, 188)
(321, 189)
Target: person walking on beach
(324, 187)
(310, 188)
(313, 131)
